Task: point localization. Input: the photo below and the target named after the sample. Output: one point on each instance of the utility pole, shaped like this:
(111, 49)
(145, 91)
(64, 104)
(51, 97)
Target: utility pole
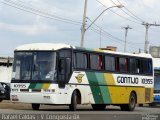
(126, 32)
(83, 29)
(146, 45)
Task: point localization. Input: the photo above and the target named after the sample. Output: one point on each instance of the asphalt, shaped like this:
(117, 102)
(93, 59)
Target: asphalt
(19, 111)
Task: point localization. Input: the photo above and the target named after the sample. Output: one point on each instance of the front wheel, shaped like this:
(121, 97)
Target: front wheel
(131, 105)
(35, 106)
(73, 105)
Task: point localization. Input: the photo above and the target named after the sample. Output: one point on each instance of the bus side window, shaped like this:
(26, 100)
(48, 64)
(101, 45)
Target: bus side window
(150, 67)
(100, 62)
(133, 65)
(139, 68)
(146, 66)
(110, 63)
(80, 60)
(96, 62)
(123, 64)
(117, 64)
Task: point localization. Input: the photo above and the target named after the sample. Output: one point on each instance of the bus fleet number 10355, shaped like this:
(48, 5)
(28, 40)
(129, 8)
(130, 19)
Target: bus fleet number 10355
(60, 74)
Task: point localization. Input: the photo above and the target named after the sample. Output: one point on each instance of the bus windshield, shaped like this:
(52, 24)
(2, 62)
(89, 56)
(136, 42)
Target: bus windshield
(34, 66)
(157, 82)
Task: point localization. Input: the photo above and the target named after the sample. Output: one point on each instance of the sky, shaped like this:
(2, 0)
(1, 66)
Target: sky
(60, 21)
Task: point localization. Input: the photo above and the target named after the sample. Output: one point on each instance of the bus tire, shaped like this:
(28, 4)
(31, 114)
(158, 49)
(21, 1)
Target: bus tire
(35, 106)
(1, 100)
(73, 105)
(98, 106)
(132, 103)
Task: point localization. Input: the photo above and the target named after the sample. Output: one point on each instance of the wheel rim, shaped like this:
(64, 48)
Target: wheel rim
(132, 101)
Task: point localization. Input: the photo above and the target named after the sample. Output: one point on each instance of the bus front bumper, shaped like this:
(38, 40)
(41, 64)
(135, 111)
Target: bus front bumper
(41, 98)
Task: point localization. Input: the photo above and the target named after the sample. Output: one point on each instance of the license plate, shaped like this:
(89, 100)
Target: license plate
(14, 98)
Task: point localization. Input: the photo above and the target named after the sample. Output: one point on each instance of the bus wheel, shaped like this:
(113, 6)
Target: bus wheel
(1, 100)
(98, 106)
(35, 106)
(73, 105)
(131, 105)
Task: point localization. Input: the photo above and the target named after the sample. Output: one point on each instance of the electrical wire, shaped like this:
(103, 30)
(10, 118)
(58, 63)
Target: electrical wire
(110, 35)
(133, 17)
(131, 12)
(37, 12)
(119, 14)
(105, 35)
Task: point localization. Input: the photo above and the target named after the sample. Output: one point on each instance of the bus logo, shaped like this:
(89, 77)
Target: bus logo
(79, 77)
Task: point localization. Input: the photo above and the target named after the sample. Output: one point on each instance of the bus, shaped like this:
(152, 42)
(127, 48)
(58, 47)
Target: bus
(156, 64)
(61, 74)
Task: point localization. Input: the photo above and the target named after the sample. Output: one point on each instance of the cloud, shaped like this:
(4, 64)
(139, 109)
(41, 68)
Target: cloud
(26, 29)
(149, 3)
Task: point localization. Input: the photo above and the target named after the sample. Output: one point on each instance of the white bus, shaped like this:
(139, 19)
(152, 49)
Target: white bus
(61, 74)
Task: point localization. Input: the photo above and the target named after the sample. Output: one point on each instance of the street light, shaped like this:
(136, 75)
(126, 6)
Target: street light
(119, 6)
(83, 30)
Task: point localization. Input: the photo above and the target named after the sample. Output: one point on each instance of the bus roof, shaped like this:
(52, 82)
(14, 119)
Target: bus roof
(42, 46)
(57, 46)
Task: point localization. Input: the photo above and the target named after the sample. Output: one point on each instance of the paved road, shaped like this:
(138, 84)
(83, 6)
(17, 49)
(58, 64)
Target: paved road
(9, 111)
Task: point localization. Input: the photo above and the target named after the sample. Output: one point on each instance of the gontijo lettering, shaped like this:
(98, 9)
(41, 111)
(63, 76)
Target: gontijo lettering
(128, 80)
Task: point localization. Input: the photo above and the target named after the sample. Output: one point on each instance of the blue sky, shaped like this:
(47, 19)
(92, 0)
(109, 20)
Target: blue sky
(18, 27)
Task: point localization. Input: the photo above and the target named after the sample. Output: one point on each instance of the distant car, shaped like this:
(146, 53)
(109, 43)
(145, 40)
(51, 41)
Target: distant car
(4, 91)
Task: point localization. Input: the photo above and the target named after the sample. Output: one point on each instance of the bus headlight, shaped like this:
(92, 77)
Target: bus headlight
(14, 90)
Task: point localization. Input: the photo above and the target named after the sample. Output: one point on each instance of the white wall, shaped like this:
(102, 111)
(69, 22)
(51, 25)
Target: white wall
(5, 74)
(156, 62)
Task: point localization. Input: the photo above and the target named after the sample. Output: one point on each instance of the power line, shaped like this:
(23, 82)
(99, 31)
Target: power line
(110, 35)
(119, 14)
(105, 35)
(131, 12)
(45, 12)
(37, 12)
(126, 12)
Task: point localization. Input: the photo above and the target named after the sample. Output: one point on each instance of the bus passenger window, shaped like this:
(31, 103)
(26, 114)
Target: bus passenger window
(133, 66)
(94, 62)
(139, 68)
(109, 63)
(80, 60)
(146, 67)
(123, 64)
(100, 62)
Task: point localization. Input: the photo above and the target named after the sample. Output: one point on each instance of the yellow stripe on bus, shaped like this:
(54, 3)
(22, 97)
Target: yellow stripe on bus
(46, 86)
(109, 79)
(120, 95)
